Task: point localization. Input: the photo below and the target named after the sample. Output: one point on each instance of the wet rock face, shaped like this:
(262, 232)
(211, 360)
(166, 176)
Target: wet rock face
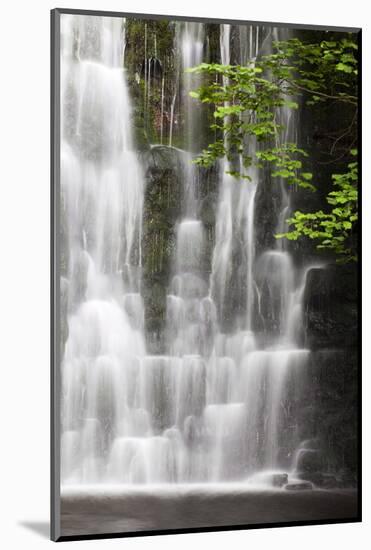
(164, 197)
(330, 307)
(152, 66)
(161, 209)
(267, 206)
(330, 405)
(328, 410)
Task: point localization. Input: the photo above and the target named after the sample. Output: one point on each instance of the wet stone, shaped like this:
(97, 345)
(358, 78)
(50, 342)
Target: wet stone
(299, 486)
(279, 480)
(310, 460)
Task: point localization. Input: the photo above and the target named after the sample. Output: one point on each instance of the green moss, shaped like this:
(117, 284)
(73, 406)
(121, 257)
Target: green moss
(161, 211)
(147, 39)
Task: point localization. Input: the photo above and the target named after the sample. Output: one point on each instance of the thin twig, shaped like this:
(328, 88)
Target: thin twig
(344, 134)
(344, 98)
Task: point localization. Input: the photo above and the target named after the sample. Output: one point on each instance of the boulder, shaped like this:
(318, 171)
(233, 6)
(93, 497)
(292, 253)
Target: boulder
(279, 480)
(299, 486)
(325, 481)
(162, 157)
(309, 460)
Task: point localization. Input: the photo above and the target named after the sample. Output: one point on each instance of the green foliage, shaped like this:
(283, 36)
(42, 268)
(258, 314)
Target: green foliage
(246, 104)
(333, 230)
(286, 166)
(325, 71)
(247, 101)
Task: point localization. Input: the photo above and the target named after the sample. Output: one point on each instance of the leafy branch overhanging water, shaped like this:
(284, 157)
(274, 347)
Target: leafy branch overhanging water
(246, 100)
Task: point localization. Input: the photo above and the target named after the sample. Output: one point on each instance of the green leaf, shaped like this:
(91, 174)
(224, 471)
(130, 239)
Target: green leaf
(307, 175)
(344, 68)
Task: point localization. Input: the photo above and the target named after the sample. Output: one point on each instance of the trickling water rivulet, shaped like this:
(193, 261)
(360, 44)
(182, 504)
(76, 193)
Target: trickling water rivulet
(218, 405)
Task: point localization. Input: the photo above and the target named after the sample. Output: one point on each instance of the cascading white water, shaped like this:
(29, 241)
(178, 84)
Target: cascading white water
(210, 409)
(224, 222)
(102, 189)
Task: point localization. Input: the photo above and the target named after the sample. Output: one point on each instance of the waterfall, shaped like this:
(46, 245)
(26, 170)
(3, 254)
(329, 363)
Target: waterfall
(213, 406)
(191, 46)
(162, 109)
(221, 264)
(102, 187)
(172, 119)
